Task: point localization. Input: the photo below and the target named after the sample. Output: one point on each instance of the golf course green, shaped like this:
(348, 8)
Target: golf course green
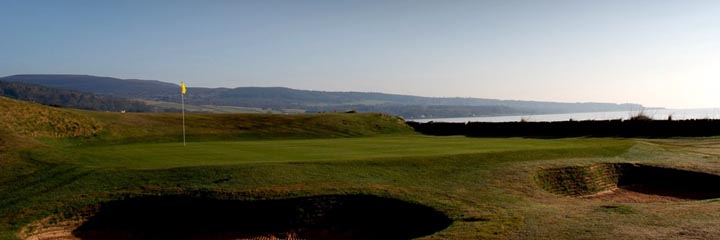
(61, 168)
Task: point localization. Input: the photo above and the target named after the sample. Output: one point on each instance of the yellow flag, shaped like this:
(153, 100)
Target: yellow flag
(182, 87)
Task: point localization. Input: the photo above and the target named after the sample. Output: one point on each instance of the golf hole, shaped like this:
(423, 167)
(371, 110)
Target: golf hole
(319, 217)
(625, 182)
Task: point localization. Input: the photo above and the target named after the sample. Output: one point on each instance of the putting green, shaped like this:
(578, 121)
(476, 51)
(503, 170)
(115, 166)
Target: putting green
(169, 155)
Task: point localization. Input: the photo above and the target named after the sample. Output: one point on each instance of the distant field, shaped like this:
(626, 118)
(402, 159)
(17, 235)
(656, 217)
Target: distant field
(216, 109)
(168, 155)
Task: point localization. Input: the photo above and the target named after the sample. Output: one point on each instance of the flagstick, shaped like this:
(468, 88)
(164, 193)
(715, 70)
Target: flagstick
(182, 96)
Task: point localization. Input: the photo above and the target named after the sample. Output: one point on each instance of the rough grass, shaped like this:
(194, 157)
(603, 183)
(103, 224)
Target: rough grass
(134, 127)
(86, 127)
(36, 120)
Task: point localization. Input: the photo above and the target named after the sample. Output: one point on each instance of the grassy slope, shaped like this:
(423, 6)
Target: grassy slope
(489, 182)
(34, 120)
(136, 127)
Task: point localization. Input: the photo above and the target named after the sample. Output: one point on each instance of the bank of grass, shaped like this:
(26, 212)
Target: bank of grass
(167, 127)
(35, 120)
(89, 127)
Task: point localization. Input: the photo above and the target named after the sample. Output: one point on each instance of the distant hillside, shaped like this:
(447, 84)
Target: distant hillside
(282, 99)
(69, 98)
(128, 88)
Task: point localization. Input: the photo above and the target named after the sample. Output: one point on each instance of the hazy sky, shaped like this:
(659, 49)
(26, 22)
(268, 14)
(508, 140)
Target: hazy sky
(657, 53)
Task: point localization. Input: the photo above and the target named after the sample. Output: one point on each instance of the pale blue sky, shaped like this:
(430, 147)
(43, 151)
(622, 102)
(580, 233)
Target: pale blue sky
(657, 53)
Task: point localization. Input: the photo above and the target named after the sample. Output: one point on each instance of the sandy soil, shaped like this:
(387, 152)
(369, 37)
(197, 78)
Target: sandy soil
(45, 230)
(625, 195)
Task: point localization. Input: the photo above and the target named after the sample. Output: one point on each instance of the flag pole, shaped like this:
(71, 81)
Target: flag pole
(182, 97)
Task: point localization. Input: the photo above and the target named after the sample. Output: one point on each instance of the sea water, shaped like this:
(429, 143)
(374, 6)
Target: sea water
(659, 114)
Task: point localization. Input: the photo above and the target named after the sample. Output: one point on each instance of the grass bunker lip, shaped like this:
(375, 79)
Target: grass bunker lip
(627, 182)
(316, 217)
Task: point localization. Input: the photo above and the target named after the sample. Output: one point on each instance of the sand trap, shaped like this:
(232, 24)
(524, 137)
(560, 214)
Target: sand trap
(624, 182)
(320, 217)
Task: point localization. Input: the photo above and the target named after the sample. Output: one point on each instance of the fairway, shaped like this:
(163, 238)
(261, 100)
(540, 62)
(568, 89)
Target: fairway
(359, 120)
(58, 172)
(169, 155)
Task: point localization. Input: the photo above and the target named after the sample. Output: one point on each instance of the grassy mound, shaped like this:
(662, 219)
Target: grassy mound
(35, 120)
(22, 123)
(137, 127)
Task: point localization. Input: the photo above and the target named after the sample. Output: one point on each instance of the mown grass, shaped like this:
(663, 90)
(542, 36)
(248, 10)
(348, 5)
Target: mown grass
(169, 155)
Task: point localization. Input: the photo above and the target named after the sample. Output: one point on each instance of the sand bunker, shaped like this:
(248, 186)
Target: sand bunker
(320, 217)
(626, 182)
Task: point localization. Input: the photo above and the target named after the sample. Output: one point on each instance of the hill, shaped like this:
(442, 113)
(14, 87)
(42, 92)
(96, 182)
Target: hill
(69, 98)
(129, 88)
(286, 99)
